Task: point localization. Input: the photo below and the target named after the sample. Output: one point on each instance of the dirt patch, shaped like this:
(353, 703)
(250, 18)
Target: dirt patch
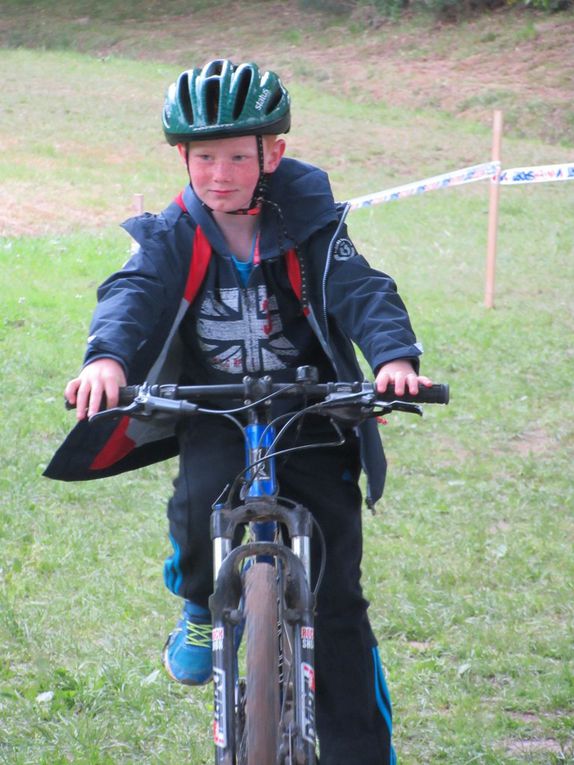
(24, 213)
(500, 527)
(420, 646)
(535, 745)
(525, 717)
(534, 441)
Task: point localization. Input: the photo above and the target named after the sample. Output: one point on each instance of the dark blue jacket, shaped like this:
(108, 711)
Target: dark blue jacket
(141, 307)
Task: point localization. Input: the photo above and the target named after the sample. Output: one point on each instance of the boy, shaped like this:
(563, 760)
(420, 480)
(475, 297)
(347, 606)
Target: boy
(250, 271)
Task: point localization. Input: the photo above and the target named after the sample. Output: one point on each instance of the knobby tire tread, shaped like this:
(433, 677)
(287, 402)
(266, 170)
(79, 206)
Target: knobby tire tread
(262, 665)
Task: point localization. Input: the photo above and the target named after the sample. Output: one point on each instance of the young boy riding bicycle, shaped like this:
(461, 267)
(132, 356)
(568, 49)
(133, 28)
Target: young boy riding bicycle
(250, 271)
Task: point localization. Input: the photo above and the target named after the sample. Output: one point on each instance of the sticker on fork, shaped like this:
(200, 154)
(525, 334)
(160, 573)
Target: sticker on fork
(219, 716)
(308, 701)
(308, 637)
(217, 638)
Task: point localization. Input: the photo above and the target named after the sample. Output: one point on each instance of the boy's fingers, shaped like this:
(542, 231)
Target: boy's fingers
(95, 398)
(382, 382)
(412, 384)
(70, 390)
(87, 400)
(400, 381)
(82, 398)
(112, 390)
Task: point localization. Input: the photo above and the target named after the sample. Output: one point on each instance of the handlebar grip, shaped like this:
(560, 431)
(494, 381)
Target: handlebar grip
(127, 394)
(435, 394)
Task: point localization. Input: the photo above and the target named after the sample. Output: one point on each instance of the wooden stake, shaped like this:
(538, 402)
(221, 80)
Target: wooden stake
(138, 204)
(497, 125)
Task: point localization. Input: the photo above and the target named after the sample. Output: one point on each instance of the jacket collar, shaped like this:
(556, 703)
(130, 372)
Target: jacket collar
(303, 193)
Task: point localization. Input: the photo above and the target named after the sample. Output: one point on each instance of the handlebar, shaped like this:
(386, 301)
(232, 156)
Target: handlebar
(348, 402)
(254, 388)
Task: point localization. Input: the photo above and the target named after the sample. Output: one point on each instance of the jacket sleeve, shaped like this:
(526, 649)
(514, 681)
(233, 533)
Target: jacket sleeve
(136, 304)
(130, 305)
(365, 304)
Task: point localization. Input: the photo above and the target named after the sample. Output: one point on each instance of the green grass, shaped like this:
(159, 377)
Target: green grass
(468, 563)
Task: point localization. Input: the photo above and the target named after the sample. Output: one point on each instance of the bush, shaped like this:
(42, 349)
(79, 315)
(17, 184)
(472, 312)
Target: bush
(372, 12)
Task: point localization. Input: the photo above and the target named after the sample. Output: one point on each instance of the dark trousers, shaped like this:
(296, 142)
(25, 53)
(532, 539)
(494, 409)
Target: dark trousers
(353, 706)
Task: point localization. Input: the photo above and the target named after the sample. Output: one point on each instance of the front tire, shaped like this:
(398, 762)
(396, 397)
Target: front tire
(262, 659)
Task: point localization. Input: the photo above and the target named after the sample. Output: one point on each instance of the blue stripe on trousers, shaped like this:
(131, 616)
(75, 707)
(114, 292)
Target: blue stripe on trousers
(383, 698)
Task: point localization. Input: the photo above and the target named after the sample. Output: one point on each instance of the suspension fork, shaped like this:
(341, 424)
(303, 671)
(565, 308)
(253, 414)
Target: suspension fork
(262, 511)
(226, 614)
(224, 605)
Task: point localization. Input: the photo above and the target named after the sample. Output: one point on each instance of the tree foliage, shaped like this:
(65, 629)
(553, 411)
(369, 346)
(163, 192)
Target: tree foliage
(372, 11)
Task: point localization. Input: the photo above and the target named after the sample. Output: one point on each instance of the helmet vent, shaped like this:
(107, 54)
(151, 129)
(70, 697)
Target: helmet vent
(212, 93)
(243, 86)
(185, 99)
(214, 68)
(273, 101)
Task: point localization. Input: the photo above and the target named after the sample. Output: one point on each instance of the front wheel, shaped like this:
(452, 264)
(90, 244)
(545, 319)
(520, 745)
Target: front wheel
(262, 665)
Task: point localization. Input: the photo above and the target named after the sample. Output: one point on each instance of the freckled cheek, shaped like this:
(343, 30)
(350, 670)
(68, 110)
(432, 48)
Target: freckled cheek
(248, 179)
(200, 179)
(198, 172)
(204, 178)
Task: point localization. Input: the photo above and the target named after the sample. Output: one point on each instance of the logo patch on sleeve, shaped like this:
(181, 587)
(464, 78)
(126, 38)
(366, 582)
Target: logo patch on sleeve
(344, 249)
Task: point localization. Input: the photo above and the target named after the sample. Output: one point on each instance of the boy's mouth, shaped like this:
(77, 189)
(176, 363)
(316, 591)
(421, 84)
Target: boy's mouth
(222, 193)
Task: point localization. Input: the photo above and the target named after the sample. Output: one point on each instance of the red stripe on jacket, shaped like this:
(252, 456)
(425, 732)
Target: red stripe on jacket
(117, 446)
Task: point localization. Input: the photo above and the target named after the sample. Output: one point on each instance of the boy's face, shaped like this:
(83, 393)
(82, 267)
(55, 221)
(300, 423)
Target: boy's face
(225, 171)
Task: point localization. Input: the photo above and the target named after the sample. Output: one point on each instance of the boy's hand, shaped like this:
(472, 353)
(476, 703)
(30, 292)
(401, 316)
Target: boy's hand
(102, 377)
(403, 376)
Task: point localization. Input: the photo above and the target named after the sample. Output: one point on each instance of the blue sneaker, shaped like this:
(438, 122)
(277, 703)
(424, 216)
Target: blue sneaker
(187, 652)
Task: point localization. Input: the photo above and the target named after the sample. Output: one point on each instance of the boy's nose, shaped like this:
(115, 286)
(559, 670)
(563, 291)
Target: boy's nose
(221, 170)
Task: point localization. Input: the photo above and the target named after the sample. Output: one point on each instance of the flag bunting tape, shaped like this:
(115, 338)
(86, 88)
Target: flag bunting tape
(446, 180)
(541, 174)
(485, 171)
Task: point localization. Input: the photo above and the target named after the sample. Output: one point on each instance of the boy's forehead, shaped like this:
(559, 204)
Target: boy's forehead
(244, 142)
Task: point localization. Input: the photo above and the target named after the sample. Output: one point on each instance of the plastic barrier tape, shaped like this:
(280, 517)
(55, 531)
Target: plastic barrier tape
(541, 174)
(456, 178)
(486, 171)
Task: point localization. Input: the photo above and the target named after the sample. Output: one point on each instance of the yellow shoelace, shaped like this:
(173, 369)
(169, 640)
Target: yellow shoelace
(198, 635)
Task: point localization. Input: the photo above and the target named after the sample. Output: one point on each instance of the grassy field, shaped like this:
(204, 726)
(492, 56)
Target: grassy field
(468, 562)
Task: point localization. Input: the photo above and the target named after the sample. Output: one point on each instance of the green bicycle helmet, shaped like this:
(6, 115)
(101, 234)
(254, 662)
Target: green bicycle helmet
(222, 100)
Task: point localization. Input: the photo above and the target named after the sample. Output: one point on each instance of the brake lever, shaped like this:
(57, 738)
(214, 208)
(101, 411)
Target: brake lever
(347, 408)
(145, 406)
(398, 406)
(137, 405)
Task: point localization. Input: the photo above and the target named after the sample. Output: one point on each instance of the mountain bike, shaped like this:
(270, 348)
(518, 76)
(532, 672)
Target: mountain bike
(264, 692)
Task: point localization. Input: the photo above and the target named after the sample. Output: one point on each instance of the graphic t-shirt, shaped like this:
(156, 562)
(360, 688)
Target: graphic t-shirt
(232, 330)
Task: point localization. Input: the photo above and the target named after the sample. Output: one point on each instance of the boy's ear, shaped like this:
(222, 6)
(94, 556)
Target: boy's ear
(183, 152)
(273, 155)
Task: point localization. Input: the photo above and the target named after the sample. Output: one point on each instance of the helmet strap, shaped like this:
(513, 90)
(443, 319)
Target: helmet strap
(261, 187)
